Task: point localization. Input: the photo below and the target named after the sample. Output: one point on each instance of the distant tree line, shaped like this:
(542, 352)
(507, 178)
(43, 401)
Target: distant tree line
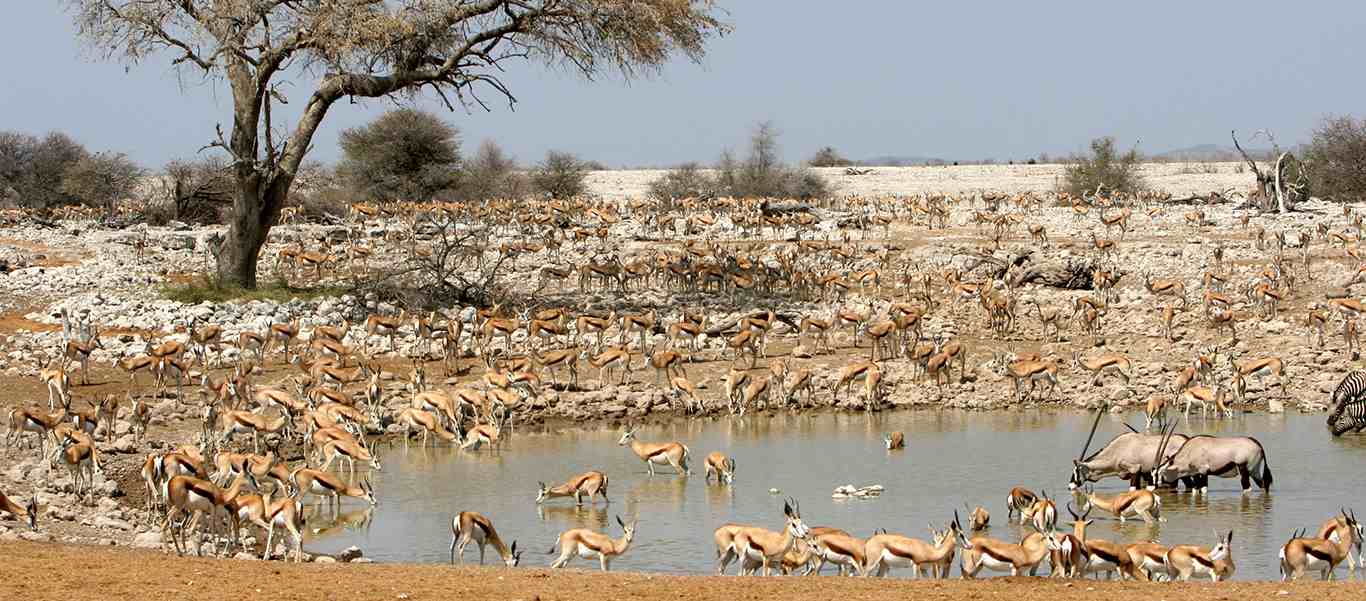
(55, 170)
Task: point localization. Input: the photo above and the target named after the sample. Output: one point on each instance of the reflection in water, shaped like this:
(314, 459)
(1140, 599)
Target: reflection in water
(951, 458)
(720, 496)
(321, 522)
(565, 517)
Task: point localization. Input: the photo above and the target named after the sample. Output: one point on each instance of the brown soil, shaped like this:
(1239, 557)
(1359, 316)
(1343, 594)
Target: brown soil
(51, 257)
(76, 573)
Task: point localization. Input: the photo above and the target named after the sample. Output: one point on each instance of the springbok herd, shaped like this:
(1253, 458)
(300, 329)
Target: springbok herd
(921, 284)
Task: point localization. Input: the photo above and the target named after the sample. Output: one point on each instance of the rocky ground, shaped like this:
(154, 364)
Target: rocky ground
(114, 279)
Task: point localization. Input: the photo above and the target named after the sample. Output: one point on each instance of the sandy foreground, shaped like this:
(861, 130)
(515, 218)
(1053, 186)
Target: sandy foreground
(1180, 179)
(38, 571)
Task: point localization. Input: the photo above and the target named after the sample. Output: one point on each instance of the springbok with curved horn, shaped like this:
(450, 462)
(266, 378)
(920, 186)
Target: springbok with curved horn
(591, 483)
(588, 544)
(473, 526)
(1000, 556)
(886, 551)
(1184, 561)
(1302, 554)
(757, 547)
(674, 454)
(1330, 531)
(1101, 555)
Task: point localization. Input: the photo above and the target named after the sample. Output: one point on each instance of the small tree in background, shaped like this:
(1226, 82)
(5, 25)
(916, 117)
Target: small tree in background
(32, 169)
(405, 154)
(1104, 166)
(763, 175)
(561, 175)
(686, 181)
(198, 190)
(829, 157)
(1336, 159)
(101, 179)
(491, 173)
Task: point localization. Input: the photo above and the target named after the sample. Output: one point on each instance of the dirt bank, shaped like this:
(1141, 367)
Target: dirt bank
(75, 573)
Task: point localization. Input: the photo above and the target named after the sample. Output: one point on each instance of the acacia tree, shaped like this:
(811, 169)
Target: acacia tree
(372, 49)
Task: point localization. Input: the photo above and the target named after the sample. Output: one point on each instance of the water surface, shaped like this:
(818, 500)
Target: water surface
(951, 458)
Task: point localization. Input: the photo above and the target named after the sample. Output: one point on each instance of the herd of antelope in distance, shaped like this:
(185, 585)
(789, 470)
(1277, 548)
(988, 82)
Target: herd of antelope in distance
(910, 290)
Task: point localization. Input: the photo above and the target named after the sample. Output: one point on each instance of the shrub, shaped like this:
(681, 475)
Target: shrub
(1104, 166)
(829, 157)
(763, 175)
(405, 154)
(101, 179)
(32, 169)
(1336, 159)
(326, 204)
(685, 181)
(198, 190)
(489, 174)
(560, 175)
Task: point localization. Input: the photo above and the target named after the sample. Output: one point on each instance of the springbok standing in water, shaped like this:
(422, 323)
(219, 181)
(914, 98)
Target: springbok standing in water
(674, 454)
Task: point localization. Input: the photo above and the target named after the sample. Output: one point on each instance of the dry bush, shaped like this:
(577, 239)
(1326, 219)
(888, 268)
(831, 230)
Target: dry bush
(685, 181)
(101, 179)
(763, 175)
(198, 190)
(404, 154)
(490, 174)
(829, 157)
(328, 204)
(1117, 172)
(31, 169)
(1336, 159)
(560, 175)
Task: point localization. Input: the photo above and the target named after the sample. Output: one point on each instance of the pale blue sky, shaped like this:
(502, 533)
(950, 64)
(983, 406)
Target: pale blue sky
(959, 80)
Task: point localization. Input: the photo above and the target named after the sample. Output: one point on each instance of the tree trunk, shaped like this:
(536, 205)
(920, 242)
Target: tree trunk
(254, 212)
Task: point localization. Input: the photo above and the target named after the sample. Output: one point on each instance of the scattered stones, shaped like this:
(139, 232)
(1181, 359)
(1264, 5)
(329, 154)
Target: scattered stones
(147, 540)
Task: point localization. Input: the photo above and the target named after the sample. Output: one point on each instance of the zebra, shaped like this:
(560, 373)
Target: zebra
(1349, 404)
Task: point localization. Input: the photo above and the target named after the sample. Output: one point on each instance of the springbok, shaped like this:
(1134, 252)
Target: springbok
(674, 454)
(28, 512)
(587, 544)
(1184, 561)
(886, 551)
(757, 547)
(473, 526)
(1301, 554)
(591, 484)
(722, 466)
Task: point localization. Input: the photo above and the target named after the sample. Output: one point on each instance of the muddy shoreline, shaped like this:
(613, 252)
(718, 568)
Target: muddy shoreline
(38, 572)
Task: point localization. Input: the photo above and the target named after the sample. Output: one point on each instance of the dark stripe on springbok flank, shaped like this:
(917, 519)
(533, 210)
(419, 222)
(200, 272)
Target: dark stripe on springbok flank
(1124, 503)
(482, 526)
(200, 489)
(325, 483)
(893, 551)
(839, 547)
(994, 555)
(1202, 560)
(1103, 554)
(661, 451)
(1317, 553)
